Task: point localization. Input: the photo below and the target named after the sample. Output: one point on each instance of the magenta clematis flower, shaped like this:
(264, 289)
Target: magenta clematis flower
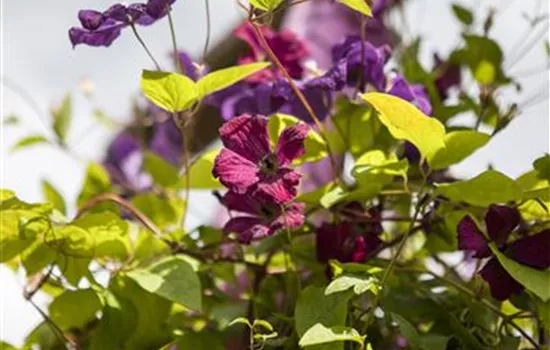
(261, 216)
(413, 93)
(102, 28)
(351, 240)
(289, 49)
(500, 221)
(248, 163)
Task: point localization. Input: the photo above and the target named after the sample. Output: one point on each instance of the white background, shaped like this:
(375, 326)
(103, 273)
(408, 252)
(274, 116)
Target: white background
(37, 56)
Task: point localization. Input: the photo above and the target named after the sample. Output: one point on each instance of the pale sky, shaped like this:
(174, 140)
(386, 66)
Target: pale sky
(37, 56)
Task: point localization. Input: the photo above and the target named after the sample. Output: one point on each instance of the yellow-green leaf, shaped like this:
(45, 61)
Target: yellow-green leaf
(320, 334)
(62, 118)
(458, 146)
(361, 6)
(201, 172)
(74, 308)
(32, 140)
(170, 91)
(52, 195)
(223, 78)
(406, 122)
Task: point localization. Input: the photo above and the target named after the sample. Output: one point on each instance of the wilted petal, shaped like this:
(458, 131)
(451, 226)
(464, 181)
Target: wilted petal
(102, 36)
(234, 171)
(533, 251)
(501, 283)
(247, 228)
(118, 12)
(471, 238)
(291, 218)
(501, 221)
(291, 143)
(90, 19)
(280, 187)
(243, 202)
(158, 8)
(247, 136)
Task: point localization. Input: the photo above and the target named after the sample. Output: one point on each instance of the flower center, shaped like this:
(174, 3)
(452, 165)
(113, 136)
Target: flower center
(268, 165)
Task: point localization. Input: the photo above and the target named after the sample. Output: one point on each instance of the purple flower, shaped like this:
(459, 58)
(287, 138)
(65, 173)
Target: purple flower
(448, 76)
(248, 163)
(325, 23)
(123, 162)
(357, 60)
(413, 93)
(288, 48)
(167, 141)
(102, 28)
(500, 221)
(261, 216)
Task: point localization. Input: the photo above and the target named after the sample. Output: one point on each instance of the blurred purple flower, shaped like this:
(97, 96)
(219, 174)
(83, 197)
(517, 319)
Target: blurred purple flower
(102, 28)
(123, 162)
(247, 162)
(167, 141)
(289, 49)
(261, 217)
(448, 75)
(500, 221)
(413, 93)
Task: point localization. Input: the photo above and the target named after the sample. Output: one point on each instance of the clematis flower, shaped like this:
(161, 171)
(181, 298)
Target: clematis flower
(167, 141)
(413, 93)
(354, 60)
(352, 239)
(247, 161)
(123, 162)
(448, 76)
(500, 221)
(102, 28)
(289, 49)
(260, 217)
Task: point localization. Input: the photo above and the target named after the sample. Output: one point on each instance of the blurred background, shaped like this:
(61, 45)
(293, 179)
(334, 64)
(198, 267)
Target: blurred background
(39, 67)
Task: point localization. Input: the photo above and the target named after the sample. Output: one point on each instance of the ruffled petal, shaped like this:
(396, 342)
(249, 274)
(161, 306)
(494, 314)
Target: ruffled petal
(291, 143)
(291, 218)
(243, 202)
(501, 221)
(279, 188)
(247, 136)
(90, 19)
(247, 228)
(533, 251)
(104, 35)
(471, 238)
(501, 283)
(235, 172)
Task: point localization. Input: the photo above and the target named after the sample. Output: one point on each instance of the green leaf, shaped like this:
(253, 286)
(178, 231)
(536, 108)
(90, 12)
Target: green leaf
(62, 118)
(486, 188)
(201, 172)
(319, 334)
(170, 91)
(37, 256)
(240, 320)
(359, 284)
(376, 166)
(52, 195)
(163, 173)
(11, 119)
(463, 14)
(266, 5)
(542, 166)
(28, 141)
(537, 281)
(205, 340)
(223, 78)
(407, 330)
(96, 181)
(484, 58)
(313, 307)
(163, 211)
(74, 309)
(360, 6)
(316, 147)
(172, 278)
(406, 122)
(458, 146)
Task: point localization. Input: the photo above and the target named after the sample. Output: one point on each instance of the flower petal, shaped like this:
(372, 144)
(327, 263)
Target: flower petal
(471, 238)
(291, 143)
(235, 172)
(532, 251)
(291, 218)
(247, 136)
(279, 188)
(247, 228)
(104, 35)
(501, 283)
(90, 19)
(501, 221)
(243, 202)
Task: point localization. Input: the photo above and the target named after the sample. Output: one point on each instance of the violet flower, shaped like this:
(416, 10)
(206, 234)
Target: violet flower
(261, 216)
(500, 221)
(448, 76)
(248, 163)
(102, 28)
(413, 93)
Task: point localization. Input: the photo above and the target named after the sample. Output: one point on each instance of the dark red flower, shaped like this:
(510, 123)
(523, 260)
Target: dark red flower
(260, 217)
(248, 161)
(500, 221)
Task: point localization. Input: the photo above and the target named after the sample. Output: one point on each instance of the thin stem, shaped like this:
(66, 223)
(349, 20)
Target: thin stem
(187, 176)
(298, 94)
(142, 43)
(180, 68)
(56, 329)
(208, 29)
